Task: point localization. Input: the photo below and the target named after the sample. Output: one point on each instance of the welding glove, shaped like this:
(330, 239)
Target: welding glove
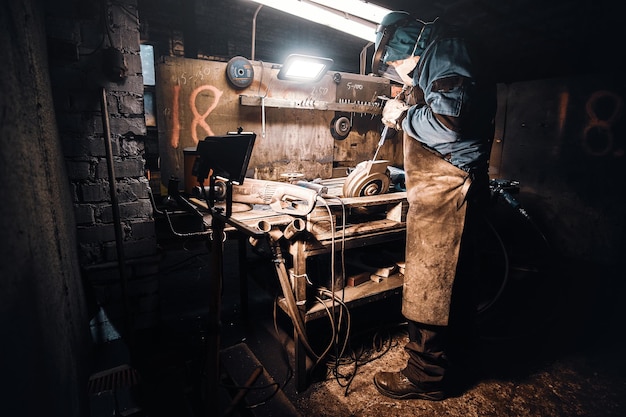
(393, 113)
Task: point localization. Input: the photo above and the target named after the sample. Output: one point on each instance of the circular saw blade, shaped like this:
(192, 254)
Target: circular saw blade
(369, 178)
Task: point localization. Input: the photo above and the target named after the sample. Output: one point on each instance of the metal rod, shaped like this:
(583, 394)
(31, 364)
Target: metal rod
(243, 391)
(215, 305)
(363, 58)
(119, 241)
(383, 136)
(254, 31)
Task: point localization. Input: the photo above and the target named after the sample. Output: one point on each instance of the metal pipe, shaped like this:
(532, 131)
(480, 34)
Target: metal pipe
(263, 226)
(266, 227)
(363, 58)
(119, 241)
(293, 228)
(254, 31)
(241, 393)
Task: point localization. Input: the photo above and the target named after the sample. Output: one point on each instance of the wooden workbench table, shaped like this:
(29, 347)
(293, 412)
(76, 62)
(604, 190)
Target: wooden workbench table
(368, 221)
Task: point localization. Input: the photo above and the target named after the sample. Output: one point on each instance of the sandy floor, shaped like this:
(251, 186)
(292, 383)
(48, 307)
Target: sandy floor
(576, 385)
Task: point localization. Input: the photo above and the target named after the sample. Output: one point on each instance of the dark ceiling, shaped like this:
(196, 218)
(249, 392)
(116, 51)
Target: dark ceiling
(526, 39)
(530, 39)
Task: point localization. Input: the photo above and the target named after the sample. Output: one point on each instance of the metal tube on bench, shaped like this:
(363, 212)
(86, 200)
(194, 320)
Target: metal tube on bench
(293, 228)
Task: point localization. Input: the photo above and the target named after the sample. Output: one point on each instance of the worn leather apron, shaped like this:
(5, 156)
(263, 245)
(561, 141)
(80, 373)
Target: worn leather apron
(436, 192)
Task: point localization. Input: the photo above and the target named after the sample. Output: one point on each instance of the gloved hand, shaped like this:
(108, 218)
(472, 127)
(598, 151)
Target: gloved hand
(393, 113)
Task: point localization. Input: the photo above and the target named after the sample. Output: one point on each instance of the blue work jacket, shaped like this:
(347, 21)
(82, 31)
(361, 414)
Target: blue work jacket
(457, 119)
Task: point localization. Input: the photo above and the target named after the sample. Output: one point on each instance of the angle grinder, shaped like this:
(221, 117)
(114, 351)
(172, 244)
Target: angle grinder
(368, 178)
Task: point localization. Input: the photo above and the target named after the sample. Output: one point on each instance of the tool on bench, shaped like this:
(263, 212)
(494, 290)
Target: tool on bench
(281, 197)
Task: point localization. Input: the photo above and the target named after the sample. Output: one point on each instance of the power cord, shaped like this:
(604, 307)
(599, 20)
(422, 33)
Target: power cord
(381, 344)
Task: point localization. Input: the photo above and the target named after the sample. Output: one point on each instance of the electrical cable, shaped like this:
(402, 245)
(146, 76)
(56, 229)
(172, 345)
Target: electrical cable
(498, 189)
(169, 220)
(332, 230)
(505, 278)
(261, 79)
(314, 355)
(337, 312)
(106, 24)
(180, 234)
(290, 300)
(342, 324)
(105, 35)
(332, 292)
(334, 329)
(529, 311)
(336, 324)
(345, 308)
(360, 357)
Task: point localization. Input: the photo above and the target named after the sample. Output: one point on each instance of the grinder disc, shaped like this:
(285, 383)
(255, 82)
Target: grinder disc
(340, 127)
(240, 72)
(369, 178)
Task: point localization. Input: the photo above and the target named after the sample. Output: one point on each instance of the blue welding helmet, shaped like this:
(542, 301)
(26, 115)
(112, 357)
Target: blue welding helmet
(398, 36)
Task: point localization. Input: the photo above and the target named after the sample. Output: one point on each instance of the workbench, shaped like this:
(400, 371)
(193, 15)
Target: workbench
(369, 220)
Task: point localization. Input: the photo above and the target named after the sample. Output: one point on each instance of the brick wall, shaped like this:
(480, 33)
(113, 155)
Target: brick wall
(78, 36)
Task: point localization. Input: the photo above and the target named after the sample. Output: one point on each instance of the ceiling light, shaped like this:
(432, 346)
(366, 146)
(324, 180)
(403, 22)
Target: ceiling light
(336, 16)
(362, 9)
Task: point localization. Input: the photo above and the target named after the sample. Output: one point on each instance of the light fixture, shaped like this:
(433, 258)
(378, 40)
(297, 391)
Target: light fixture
(355, 17)
(363, 9)
(304, 68)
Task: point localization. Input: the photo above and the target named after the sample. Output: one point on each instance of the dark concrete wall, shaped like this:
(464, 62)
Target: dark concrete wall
(45, 346)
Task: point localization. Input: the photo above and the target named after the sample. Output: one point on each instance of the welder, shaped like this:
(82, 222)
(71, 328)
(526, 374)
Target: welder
(446, 110)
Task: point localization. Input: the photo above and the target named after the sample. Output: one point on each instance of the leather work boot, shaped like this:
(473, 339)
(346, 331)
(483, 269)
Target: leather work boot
(398, 386)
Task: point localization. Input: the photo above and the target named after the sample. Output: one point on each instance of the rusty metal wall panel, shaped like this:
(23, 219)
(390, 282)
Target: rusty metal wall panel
(565, 141)
(195, 99)
(361, 142)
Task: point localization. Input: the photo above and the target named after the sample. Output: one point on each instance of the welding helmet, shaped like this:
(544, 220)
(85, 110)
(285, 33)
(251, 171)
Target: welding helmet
(398, 36)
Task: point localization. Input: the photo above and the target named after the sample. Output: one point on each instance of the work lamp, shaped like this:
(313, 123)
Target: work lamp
(304, 68)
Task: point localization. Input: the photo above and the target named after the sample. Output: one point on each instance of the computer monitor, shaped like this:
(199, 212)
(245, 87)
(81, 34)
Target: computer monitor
(228, 156)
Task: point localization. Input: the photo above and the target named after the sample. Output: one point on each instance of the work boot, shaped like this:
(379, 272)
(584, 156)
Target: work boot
(398, 386)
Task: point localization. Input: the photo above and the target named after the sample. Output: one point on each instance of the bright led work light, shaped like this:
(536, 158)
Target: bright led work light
(304, 68)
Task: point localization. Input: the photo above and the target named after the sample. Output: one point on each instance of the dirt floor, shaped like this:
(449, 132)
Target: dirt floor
(543, 350)
(582, 384)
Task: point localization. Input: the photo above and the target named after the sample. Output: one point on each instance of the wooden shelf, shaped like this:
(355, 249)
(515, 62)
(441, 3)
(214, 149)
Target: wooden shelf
(358, 235)
(354, 296)
(310, 104)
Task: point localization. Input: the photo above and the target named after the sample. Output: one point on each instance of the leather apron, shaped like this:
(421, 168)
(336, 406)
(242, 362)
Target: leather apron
(436, 192)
